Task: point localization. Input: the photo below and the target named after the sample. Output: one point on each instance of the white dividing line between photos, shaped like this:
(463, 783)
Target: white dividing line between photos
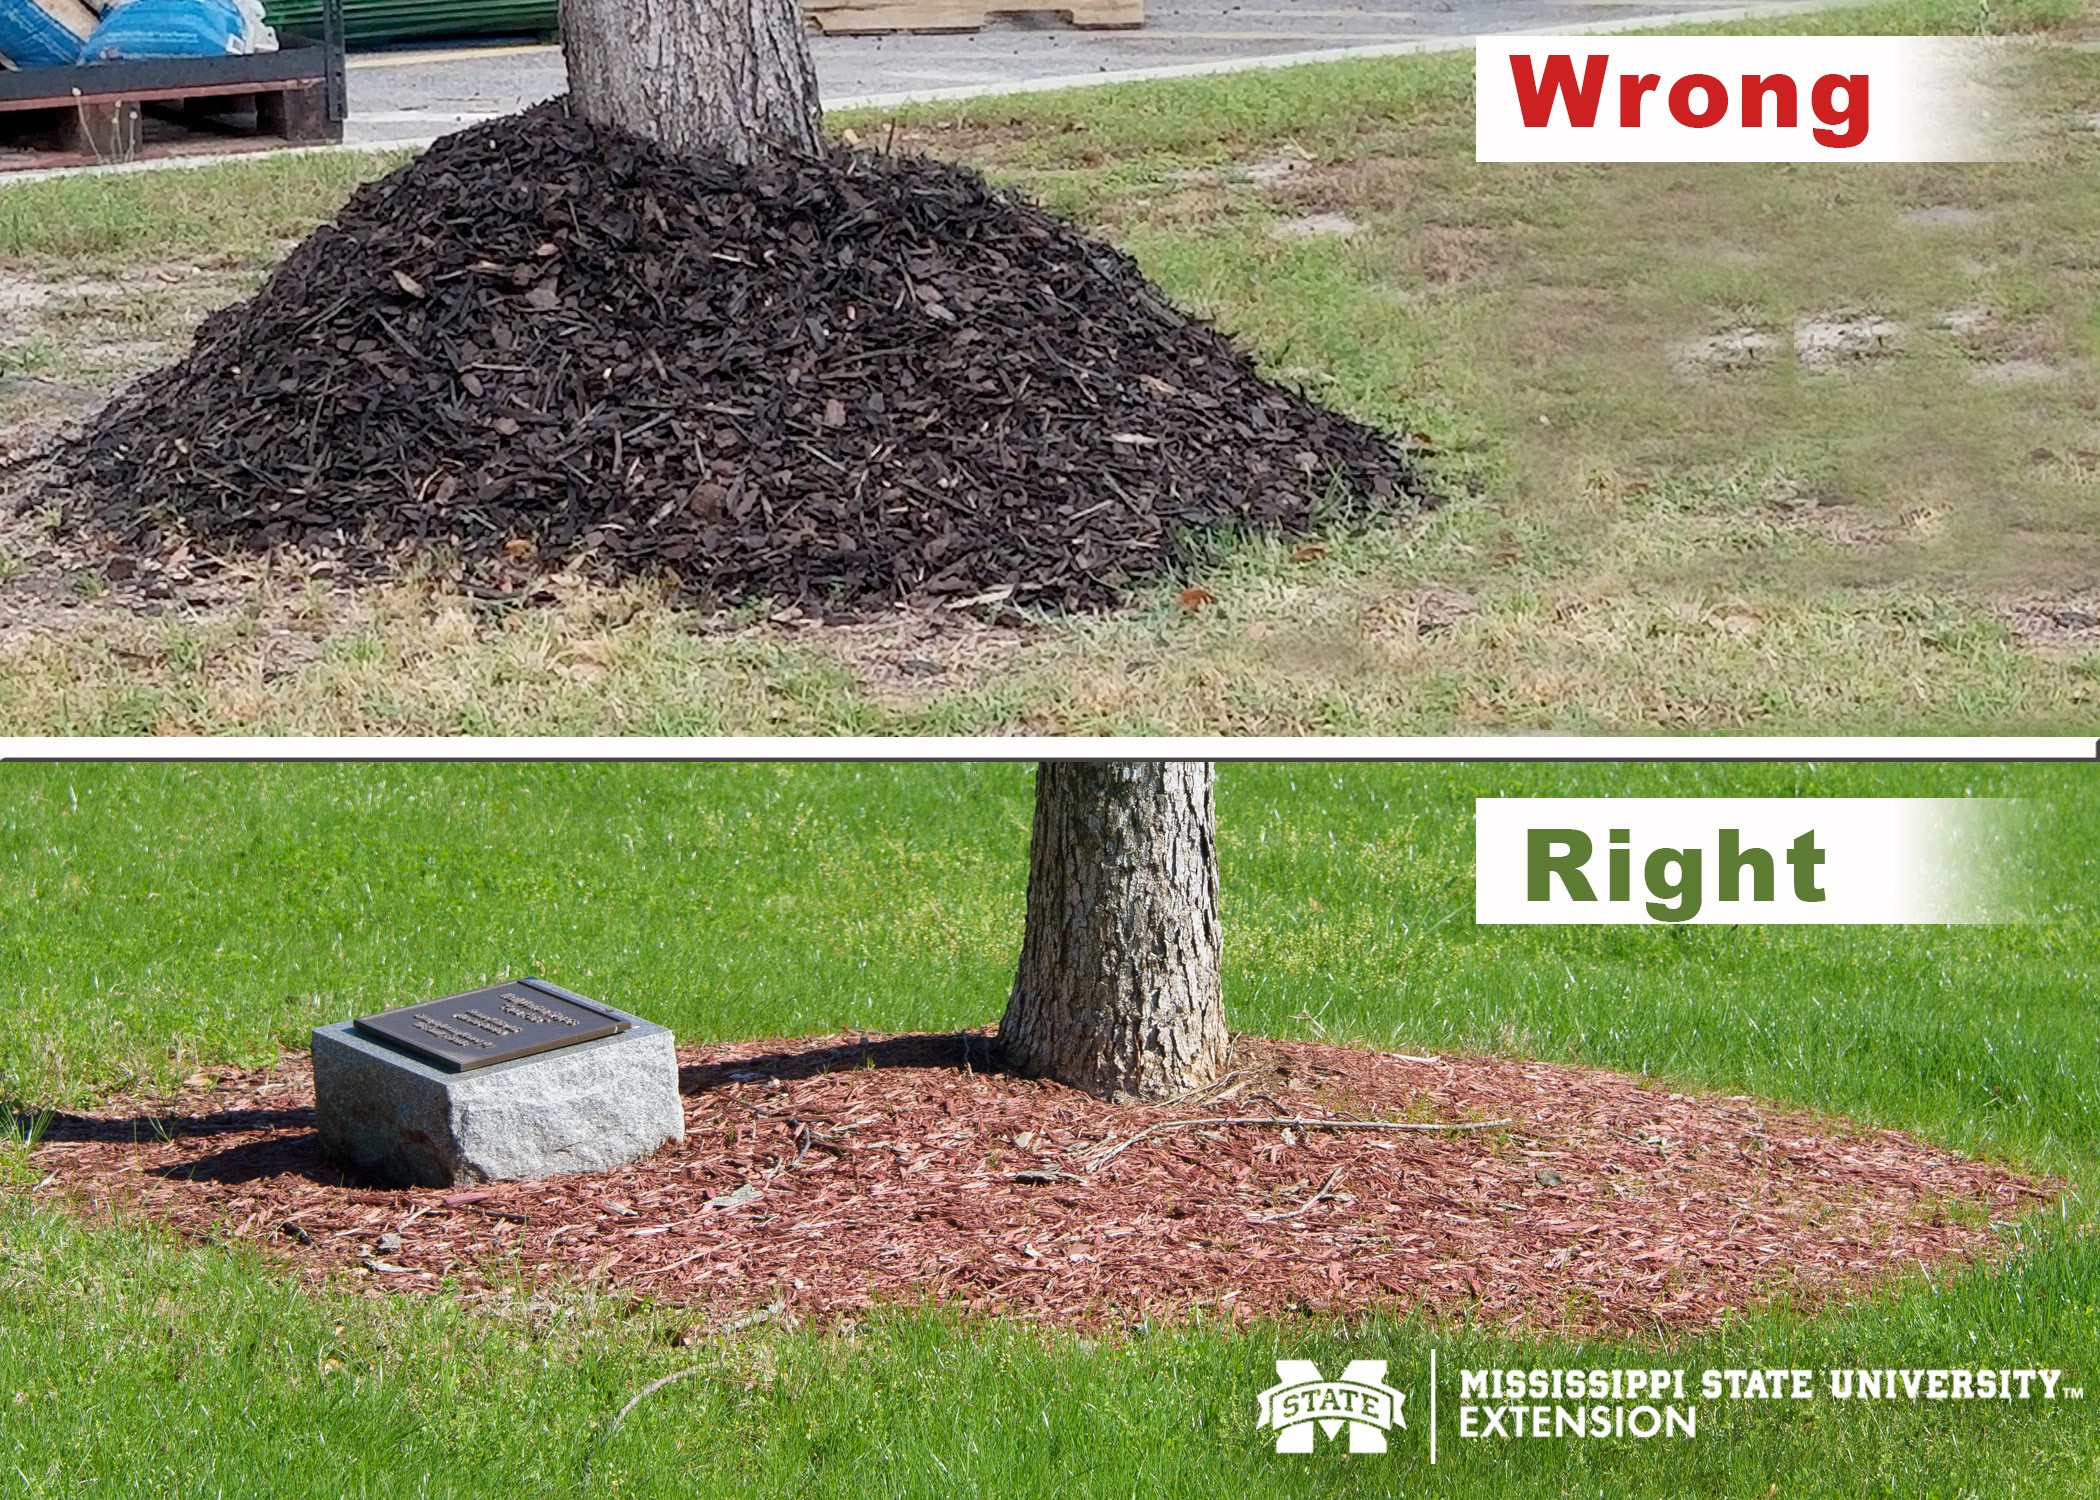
(1509, 748)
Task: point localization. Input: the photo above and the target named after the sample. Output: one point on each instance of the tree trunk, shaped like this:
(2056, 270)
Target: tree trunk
(1117, 991)
(727, 77)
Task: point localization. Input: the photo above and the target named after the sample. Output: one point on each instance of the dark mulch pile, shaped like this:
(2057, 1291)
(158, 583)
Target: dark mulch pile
(848, 382)
(898, 1170)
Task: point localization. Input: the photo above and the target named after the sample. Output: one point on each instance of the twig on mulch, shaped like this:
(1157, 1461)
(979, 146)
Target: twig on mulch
(1304, 1122)
(1326, 1192)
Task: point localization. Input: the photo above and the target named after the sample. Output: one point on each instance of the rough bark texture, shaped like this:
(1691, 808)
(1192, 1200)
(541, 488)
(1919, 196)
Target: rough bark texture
(730, 77)
(1117, 991)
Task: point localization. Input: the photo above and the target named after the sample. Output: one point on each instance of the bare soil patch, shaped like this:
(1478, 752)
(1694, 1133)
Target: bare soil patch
(1833, 341)
(1274, 171)
(1317, 226)
(1735, 349)
(834, 1174)
(2066, 620)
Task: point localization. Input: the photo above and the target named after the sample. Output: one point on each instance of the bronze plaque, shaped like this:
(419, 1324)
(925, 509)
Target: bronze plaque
(517, 1018)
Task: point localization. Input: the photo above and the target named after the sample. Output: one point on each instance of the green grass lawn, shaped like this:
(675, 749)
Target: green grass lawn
(1639, 537)
(158, 918)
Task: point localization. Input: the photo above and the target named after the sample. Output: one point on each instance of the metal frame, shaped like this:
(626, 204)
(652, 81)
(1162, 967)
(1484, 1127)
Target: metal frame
(332, 37)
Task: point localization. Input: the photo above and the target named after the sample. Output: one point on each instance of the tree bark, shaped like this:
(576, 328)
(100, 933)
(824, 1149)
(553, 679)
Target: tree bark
(727, 77)
(1118, 987)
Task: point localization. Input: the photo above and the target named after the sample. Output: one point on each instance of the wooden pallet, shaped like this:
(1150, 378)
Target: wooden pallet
(862, 17)
(105, 128)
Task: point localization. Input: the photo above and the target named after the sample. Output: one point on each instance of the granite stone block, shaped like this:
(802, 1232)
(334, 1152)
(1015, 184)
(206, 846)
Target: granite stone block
(582, 1108)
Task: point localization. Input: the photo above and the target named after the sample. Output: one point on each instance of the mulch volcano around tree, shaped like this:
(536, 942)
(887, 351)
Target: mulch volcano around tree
(831, 1176)
(850, 382)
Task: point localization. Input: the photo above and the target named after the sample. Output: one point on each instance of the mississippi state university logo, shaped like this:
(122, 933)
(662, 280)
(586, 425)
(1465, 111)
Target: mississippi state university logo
(1360, 1399)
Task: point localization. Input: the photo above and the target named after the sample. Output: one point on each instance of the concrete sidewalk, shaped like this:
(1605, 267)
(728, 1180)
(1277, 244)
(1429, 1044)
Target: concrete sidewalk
(413, 96)
(409, 98)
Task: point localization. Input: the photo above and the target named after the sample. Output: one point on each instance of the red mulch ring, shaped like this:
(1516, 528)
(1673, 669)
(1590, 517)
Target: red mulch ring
(837, 1174)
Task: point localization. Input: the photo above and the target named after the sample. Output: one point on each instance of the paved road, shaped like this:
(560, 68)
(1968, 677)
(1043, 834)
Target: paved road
(416, 95)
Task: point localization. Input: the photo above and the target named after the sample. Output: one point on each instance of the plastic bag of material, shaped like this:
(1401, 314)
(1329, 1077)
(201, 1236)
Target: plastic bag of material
(140, 29)
(44, 33)
(261, 36)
